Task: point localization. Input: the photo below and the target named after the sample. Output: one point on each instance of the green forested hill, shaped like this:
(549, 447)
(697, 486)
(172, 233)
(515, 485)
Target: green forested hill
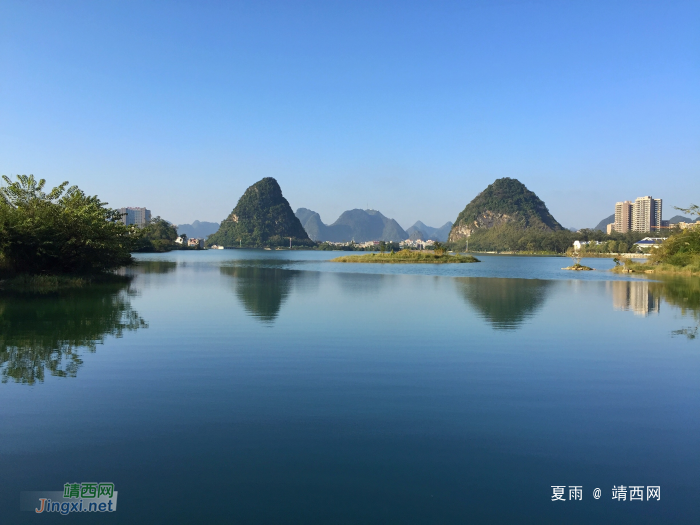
(261, 218)
(506, 201)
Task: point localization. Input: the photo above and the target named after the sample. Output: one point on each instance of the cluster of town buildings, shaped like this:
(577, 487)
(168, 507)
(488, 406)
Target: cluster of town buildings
(140, 217)
(646, 242)
(192, 243)
(417, 244)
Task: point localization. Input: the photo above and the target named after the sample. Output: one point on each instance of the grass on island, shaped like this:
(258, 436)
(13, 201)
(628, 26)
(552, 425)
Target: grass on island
(407, 257)
(660, 268)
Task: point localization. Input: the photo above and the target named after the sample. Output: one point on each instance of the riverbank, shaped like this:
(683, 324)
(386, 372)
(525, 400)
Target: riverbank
(593, 255)
(692, 269)
(406, 257)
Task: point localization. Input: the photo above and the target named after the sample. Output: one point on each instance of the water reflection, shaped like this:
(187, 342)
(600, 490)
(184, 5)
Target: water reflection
(505, 303)
(645, 297)
(42, 334)
(683, 293)
(152, 267)
(636, 296)
(261, 290)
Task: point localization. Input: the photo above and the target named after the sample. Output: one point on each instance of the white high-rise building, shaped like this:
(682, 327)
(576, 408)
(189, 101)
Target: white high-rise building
(646, 214)
(138, 216)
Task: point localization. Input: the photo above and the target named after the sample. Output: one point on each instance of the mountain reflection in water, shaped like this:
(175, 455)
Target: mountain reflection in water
(45, 333)
(505, 303)
(261, 290)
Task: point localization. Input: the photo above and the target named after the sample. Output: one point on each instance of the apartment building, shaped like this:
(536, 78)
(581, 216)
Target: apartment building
(642, 215)
(646, 214)
(138, 216)
(623, 216)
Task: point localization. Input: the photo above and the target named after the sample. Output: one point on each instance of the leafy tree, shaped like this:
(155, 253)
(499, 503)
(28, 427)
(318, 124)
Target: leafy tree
(682, 247)
(62, 231)
(439, 248)
(693, 209)
(157, 236)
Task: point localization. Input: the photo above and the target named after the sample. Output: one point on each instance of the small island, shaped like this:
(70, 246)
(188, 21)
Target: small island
(578, 267)
(407, 257)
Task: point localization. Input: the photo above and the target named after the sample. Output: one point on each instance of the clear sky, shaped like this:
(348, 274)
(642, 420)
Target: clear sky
(411, 108)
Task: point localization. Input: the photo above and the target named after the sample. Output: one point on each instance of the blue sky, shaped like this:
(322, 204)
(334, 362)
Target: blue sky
(411, 108)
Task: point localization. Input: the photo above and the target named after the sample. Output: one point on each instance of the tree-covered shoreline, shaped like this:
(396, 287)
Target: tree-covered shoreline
(59, 232)
(512, 238)
(678, 254)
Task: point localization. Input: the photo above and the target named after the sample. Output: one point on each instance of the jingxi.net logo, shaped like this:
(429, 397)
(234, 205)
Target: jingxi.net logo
(76, 497)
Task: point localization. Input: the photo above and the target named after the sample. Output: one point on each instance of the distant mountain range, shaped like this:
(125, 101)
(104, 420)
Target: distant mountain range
(679, 218)
(423, 232)
(357, 225)
(505, 202)
(198, 229)
(602, 225)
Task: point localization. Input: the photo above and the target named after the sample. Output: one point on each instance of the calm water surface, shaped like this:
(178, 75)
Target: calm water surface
(243, 386)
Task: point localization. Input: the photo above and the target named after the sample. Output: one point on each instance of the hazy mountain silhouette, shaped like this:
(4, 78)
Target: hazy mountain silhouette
(429, 233)
(603, 225)
(198, 229)
(357, 225)
(679, 218)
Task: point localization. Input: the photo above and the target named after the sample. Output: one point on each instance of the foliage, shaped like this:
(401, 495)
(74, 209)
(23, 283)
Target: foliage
(261, 218)
(158, 236)
(679, 253)
(62, 231)
(511, 237)
(693, 209)
(680, 249)
(439, 248)
(407, 257)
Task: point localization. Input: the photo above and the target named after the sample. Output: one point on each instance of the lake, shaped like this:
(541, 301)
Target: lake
(245, 386)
